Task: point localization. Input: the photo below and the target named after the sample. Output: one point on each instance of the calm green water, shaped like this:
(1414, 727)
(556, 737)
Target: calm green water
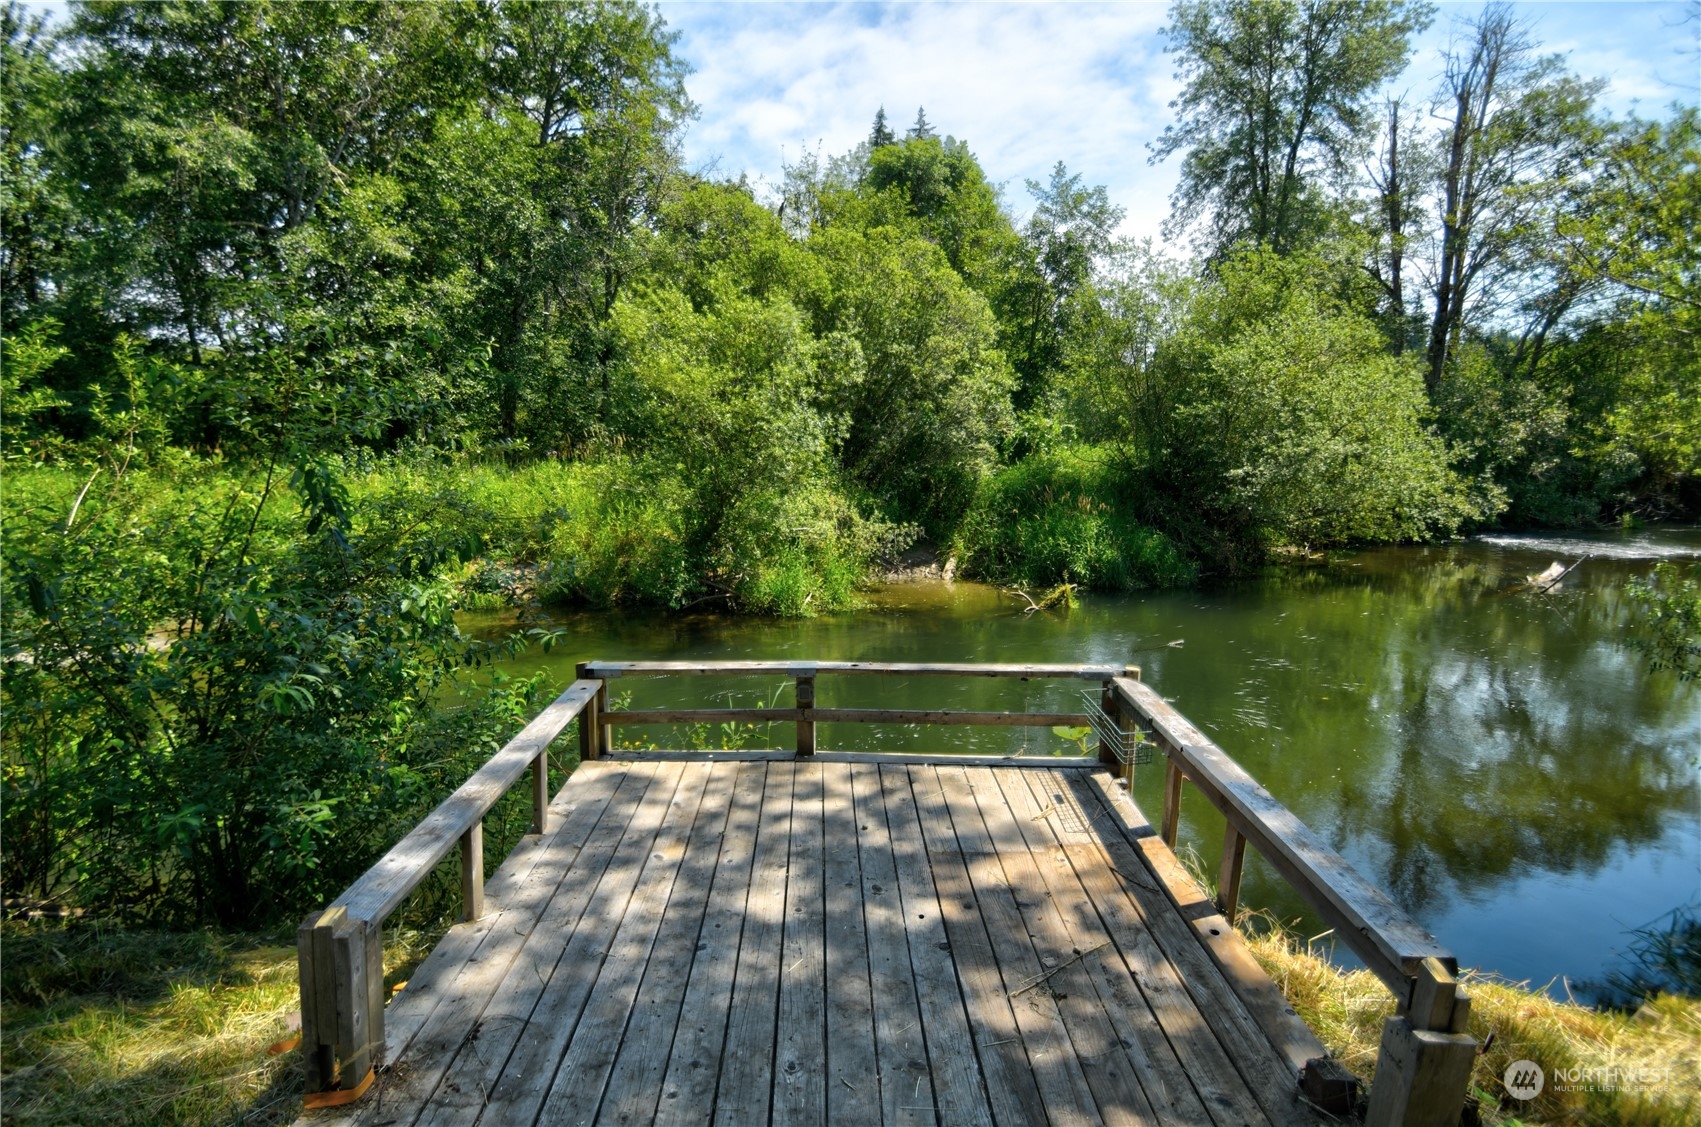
(1502, 763)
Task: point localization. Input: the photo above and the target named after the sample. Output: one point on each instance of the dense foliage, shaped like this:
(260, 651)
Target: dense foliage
(323, 321)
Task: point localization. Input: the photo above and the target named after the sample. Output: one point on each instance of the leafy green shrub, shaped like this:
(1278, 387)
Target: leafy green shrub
(626, 543)
(1067, 517)
(799, 552)
(224, 691)
(1276, 416)
(923, 390)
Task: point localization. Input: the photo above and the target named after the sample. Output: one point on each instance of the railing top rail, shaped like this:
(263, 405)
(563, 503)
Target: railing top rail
(608, 669)
(386, 884)
(1391, 943)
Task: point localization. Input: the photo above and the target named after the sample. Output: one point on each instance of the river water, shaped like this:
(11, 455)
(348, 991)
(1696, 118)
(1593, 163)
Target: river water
(1502, 762)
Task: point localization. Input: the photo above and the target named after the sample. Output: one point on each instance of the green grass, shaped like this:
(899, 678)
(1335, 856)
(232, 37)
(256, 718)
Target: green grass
(1067, 517)
(120, 1028)
(620, 532)
(130, 1028)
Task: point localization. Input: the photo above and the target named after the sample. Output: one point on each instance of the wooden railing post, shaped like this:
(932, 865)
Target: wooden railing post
(540, 793)
(1423, 1068)
(1112, 709)
(805, 704)
(472, 872)
(341, 964)
(317, 974)
(1172, 802)
(1228, 874)
(340, 951)
(590, 720)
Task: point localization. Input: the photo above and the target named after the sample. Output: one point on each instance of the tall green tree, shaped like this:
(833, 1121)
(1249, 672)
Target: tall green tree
(603, 95)
(881, 134)
(1072, 228)
(33, 207)
(1277, 416)
(1519, 137)
(1276, 97)
(925, 391)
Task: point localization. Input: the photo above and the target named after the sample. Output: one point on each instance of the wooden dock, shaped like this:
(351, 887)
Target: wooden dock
(751, 938)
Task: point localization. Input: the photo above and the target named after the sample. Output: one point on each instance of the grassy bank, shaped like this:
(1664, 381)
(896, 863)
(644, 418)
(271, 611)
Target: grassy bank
(135, 1028)
(1346, 1009)
(130, 1028)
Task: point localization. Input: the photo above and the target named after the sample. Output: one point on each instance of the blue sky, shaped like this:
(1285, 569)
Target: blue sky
(1028, 85)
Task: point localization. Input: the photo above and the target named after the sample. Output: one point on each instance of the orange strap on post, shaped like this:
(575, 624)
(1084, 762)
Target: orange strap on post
(340, 1096)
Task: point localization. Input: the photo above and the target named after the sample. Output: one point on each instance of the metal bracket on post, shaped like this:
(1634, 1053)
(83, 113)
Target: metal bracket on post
(1119, 743)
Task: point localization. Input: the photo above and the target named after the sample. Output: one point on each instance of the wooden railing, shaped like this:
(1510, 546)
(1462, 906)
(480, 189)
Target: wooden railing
(1426, 1055)
(805, 715)
(340, 951)
(1424, 1066)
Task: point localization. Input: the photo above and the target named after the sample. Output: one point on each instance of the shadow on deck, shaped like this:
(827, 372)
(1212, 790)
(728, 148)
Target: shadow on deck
(749, 942)
(753, 938)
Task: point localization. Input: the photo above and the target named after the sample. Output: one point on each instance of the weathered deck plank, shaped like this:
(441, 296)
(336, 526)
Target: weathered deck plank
(642, 1060)
(800, 1047)
(509, 1058)
(583, 1075)
(687, 1094)
(853, 1074)
(901, 1053)
(436, 1015)
(747, 1062)
(972, 886)
(1069, 945)
(813, 942)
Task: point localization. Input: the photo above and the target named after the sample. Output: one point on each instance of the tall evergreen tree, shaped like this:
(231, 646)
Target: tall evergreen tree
(881, 135)
(921, 130)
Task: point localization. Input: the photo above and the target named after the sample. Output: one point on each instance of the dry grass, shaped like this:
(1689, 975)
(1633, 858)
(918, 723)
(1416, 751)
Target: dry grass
(123, 1028)
(1347, 1008)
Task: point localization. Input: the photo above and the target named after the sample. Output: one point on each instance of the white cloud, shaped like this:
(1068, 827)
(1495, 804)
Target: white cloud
(1024, 85)
(1028, 85)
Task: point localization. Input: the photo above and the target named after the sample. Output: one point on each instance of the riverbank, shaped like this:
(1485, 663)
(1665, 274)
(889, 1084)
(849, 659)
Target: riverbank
(140, 1028)
(1584, 1053)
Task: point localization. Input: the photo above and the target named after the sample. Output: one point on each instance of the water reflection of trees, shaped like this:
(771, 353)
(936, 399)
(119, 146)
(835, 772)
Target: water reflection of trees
(1443, 733)
(1503, 732)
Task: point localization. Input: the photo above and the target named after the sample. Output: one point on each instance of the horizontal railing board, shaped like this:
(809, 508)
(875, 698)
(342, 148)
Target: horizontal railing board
(606, 669)
(847, 716)
(1378, 930)
(386, 884)
(1076, 762)
(636, 716)
(731, 755)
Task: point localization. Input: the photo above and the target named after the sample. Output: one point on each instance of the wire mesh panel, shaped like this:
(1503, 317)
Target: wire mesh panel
(1128, 747)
